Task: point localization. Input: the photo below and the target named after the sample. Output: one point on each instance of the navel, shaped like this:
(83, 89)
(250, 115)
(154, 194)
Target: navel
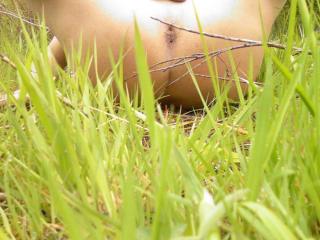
(171, 36)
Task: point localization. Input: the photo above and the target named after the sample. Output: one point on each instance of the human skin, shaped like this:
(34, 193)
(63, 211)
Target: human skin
(109, 25)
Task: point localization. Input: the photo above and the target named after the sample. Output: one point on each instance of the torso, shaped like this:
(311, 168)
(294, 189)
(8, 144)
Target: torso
(110, 24)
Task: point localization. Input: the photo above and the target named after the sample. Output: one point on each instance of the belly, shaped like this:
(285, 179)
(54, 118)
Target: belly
(109, 24)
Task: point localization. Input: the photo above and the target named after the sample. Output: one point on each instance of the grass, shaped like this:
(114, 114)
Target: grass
(102, 171)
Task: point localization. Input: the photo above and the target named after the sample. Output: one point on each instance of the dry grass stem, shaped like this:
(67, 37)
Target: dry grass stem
(7, 60)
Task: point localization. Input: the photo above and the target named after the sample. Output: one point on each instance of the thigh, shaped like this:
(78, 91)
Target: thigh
(56, 55)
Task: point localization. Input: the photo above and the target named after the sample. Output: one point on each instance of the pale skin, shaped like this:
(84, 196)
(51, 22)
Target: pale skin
(110, 25)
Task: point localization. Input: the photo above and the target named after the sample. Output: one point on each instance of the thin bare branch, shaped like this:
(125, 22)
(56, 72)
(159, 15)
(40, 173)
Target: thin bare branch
(227, 38)
(180, 61)
(13, 15)
(7, 60)
(241, 79)
(4, 99)
(185, 60)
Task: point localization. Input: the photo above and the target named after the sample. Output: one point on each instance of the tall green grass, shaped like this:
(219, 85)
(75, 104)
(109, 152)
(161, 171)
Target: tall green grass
(100, 170)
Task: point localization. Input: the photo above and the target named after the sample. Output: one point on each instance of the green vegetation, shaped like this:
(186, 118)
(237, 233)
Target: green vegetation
(97, 170)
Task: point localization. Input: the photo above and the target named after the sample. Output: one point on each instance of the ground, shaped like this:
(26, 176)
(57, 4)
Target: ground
(82, 167)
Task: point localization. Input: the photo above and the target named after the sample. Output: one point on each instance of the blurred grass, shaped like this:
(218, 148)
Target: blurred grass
(99, 171)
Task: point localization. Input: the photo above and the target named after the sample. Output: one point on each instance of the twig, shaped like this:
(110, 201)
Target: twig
(241, 79)
(4, 99)
(201, 56)
(179, 61)
(247, 43)
(13, 15)
(227, 38)
(16, 94)
(7, 60)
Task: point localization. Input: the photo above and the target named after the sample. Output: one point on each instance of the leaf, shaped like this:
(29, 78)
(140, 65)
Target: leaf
(275, 226)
